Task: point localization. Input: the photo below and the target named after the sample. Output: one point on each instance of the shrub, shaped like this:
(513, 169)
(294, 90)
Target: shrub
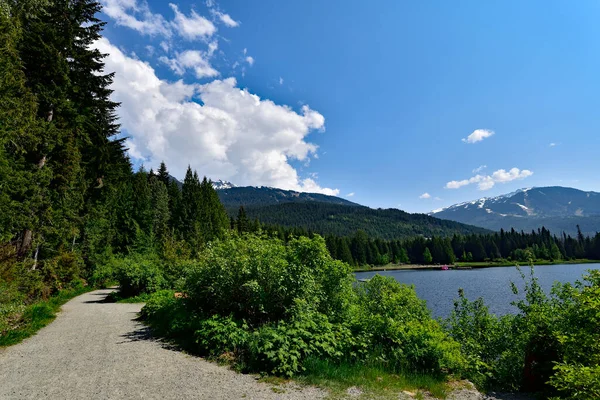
(494, 353)
(60, 271)
(403, 334)
(258, 280)
(281, 348)
(217, 335)
(138, 274)
(577, 375)
(551, 346)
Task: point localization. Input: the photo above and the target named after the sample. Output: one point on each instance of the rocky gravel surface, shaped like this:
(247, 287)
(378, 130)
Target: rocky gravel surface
(97, 350)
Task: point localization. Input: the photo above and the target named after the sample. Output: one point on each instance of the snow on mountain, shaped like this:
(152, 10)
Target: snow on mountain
(220, 185)
(528, 208)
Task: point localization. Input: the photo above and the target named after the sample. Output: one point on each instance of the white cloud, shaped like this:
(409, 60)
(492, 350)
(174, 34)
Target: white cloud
(485, 182)
(150, 50)
(136, 15)
(437, 199)
(350, 194)
(425, 196)
(280, 80)
(212, 47)
(165, 46)
(233, 135)
(250, 60)
(191, 59)
(193, 27)
(553, 144)
(479, 169)
(227, 20)
(478, 135)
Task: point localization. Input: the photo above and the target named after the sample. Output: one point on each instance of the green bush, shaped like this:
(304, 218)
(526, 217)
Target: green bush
(281, 348)
(217, 335)
(273, 305)
(577, 375)
(403, 333)
(60, 271)
(158, 310)
(551, 346)
(258, 280)
(138, 274)
(494, 352)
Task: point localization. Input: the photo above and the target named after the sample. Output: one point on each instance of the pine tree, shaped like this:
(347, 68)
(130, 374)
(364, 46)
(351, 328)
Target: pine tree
(142, 200)
(163, 174)
(427, 258)
(160, 208)
(242, 221)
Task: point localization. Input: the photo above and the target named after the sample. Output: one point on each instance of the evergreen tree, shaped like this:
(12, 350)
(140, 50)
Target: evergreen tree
(403, 256)
(163, 174)
(242, 220)
(160, 208)
(427, 258)
(343, 251)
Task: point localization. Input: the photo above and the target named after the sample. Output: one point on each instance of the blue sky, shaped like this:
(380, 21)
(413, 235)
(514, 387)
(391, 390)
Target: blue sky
(374, 102)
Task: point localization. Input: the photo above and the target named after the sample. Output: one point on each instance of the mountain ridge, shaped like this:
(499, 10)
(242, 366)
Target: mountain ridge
(555, 207)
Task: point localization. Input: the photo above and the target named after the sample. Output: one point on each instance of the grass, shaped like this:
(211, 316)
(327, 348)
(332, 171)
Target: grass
(36, 316)
(372, 381)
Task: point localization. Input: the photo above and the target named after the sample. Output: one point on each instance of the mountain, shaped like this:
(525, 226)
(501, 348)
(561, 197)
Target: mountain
(557, 208)
(218, 185)
(345, 220)
(221, 185)
(250, 196)
(333, 215)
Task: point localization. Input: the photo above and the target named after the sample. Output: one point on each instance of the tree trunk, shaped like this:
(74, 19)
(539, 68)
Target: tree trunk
(25, 243)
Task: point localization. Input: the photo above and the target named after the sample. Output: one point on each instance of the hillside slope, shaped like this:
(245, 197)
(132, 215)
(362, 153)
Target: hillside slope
(557, 208)
(250, 196)
(342, 220)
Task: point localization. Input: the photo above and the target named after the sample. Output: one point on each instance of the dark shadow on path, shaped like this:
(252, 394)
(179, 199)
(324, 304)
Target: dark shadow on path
(144, 333)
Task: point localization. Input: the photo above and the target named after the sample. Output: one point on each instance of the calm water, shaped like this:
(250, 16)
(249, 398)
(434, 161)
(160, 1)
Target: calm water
(440, 288)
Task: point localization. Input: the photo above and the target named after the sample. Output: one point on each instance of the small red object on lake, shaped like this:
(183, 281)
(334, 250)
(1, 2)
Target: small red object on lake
(444, 268)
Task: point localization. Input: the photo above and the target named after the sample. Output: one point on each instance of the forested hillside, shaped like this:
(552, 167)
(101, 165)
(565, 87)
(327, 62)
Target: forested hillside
(250, 196)
(343, 220)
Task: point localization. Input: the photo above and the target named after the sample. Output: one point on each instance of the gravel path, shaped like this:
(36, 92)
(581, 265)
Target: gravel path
(96, 350)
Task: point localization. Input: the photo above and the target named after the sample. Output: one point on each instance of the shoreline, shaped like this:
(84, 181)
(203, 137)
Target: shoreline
(468, 265)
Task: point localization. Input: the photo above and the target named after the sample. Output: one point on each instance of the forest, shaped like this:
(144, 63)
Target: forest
(361, 249)
(280, 301)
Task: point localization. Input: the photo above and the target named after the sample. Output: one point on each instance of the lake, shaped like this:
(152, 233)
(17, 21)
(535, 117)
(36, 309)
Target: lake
(440, 288)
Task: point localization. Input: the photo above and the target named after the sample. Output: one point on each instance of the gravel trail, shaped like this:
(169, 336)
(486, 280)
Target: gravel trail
(96, 350)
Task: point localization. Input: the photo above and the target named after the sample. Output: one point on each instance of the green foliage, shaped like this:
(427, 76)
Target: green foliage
(19, 321)
(273, 305)
(401, 329)
(427, 258)
(281, 348)
(217, 335)
(494, 357)
(550, 346)
(577, 374)
(259, 279)
(138, 274)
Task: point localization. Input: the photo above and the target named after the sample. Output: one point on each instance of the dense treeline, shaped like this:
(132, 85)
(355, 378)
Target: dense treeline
(69, 200)
(344, 220)
(61, 166)
(360, 249)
